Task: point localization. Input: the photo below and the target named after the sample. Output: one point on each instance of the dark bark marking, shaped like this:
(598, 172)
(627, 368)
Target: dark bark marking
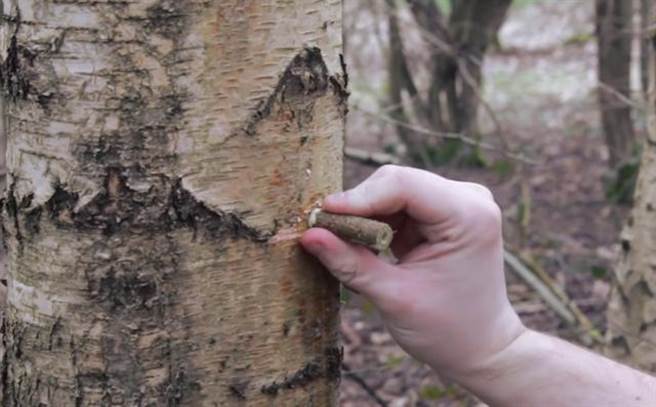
(121, 289)
(626, 246)
(345, 75)
(32, 221)
(18, 389)
(334, 359)
(166, 18)
(179, 385)
(19, 76)
(129, 283)
(305, 79)
(310, 372)
(195, 214)
(340, 90)
(238, 389)
(118, 207)
(330, 368)
(53, 338)
(12, 72)
(4, 365)
(11, 209)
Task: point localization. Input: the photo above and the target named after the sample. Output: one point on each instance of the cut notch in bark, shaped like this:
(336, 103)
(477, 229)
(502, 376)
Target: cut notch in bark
(368, 232)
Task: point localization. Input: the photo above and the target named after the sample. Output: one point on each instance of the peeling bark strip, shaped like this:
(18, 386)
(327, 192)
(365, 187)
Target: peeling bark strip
(154, 147)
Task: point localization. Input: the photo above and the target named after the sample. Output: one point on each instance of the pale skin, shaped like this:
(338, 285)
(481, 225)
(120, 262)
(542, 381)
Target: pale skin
(445, 300)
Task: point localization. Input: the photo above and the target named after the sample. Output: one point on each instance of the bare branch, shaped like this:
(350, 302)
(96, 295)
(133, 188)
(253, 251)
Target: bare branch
(370, 158)
(349, 374)
(446, 135)
(539, 287)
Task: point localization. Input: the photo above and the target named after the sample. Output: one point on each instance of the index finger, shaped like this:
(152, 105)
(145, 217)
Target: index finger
(422, 195)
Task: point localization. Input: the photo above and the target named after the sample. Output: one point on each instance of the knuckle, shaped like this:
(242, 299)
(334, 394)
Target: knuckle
(487, 220)
(345, 271)
(389, 171)
(483, 190)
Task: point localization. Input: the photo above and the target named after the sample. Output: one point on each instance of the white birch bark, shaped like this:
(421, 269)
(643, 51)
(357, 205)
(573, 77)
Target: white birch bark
(632, 309)
(161, 157)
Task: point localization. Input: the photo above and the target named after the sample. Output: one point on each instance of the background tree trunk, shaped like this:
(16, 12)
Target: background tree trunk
(645, 11)
(400, 79)
(450, 101)
(161, 158)
(473, 25)
(632, 309)
(614, 36)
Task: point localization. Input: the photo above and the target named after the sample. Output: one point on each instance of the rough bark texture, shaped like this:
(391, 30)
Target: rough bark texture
(614, 37)
(161, 157)
(632, 309)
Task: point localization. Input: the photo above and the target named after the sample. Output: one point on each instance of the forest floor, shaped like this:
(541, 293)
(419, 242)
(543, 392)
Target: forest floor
(541, 86)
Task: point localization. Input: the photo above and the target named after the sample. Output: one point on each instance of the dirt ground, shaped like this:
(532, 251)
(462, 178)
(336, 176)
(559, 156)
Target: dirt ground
(541, 86)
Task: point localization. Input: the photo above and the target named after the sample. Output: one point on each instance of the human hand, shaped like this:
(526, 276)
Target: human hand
(445, 300)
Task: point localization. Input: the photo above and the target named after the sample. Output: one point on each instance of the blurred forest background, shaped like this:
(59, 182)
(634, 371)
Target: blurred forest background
(544, 102)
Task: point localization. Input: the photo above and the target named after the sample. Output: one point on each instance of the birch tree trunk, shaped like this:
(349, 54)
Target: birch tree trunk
(161, 157)
(632, 309)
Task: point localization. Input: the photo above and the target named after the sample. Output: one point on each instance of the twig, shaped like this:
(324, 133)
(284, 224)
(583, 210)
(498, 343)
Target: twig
(586, 325)
(371, 233)
(445, 135)
(621, 97)
(541, 288)
(359, 380)
(370, 158)
(499, 131)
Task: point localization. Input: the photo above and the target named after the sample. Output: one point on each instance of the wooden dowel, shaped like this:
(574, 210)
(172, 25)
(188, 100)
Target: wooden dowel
(371, 233)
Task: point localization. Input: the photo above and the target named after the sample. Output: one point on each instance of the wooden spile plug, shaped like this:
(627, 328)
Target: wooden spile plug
(371, 233)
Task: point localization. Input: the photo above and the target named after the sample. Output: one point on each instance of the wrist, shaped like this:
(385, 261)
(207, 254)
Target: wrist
(539, 370)
(482, 350)
(508, 368)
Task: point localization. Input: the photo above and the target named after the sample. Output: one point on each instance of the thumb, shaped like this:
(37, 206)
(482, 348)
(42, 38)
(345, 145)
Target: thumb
(355, 266)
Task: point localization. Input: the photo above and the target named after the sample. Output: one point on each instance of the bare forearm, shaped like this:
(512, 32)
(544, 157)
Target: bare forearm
(539, 370)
